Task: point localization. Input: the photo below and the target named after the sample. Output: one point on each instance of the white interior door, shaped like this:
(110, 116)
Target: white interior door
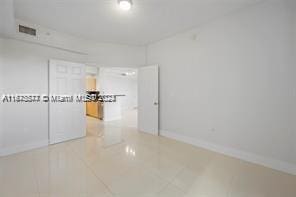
(148, 99)
(67, 120)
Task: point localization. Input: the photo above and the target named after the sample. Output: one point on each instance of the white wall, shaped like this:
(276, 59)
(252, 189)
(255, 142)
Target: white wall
(293, 7)
(6, 17)
(1, 91)
(6, 27)
(25, 125)
(25, 70)
(228, 85)
(93, 53)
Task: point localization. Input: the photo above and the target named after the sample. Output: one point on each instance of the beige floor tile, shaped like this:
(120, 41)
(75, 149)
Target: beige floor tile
(17, 176)
(171, 191)
(136, 182)
(141, 165)
(110, 169)
(75, 195)
(187, 178)
(258, 181)
(18, 194)
(163, 167)
(282, 185)
(216, 179)
(60, 173)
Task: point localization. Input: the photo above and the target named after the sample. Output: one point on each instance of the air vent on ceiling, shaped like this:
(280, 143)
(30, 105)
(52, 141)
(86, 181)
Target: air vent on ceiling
(27, 30)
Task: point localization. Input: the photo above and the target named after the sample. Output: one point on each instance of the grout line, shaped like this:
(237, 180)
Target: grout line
(173, 184)
(35, 175)
(91, 170)
(234, 178)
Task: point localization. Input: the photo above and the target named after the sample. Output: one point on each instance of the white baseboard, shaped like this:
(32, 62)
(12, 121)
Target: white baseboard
(246, 156)
(22, 148)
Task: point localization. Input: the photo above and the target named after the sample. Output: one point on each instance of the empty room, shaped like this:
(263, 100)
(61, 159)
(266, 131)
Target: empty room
(147, 98)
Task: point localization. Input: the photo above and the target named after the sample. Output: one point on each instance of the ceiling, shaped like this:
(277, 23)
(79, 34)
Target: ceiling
(146, 22)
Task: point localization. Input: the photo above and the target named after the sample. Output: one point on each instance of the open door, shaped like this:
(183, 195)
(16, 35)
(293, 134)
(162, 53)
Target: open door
(66, 119)
(148, 99)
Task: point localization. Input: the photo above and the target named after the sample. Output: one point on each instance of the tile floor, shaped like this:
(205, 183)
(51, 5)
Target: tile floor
(135, 165)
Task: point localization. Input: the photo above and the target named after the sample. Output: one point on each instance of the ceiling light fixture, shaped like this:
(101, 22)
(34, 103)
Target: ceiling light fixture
(125, 4)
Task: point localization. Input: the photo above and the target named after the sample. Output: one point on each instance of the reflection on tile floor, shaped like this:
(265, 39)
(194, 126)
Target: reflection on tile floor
(140, 166)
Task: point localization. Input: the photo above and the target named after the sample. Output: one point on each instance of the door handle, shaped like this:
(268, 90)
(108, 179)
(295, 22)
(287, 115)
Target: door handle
(155, 103)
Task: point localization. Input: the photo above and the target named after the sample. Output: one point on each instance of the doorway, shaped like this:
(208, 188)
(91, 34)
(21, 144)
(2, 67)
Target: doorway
(118, 109)
(119, 105)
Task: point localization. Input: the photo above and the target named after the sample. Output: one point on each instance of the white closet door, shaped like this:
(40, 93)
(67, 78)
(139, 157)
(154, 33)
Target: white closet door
(148, 99)
(67, 120)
